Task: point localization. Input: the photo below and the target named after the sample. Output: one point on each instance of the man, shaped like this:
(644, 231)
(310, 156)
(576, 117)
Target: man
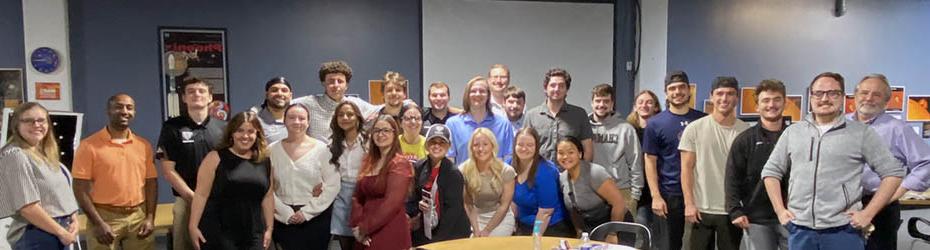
(556, 119)
(271, 113)
(335, 77)
(746, 200)
(704, 146)
(499, 79)
(824, 156)
(616, 146)
(115, 181)
(872, 95)
(438, 111)
(182, 145)
(514, 105)
(662, 158)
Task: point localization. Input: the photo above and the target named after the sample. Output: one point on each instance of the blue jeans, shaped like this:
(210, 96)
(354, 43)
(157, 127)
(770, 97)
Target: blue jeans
(35, 238)
(843, 237)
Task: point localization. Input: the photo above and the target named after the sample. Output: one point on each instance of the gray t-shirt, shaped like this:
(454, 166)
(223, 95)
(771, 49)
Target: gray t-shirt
(487, 199)
(710, 143)
(570, 121)
(25, 181)
(590, 178)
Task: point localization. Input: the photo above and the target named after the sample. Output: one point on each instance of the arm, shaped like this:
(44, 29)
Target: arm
(773, 189)
(205, 176)
(916, 154)
(282, 212)
(151, 204)
(588, 147)
(35, 215)
(652, 178)
(331, 185)
(102, 231)
(177, 183)
(687, 181)
(772, 173)
(268, 209)
(634, 151)
(734, 178)
(886, 166)
(609, 192)
(471, 213)
(502, 209)
(547, 194)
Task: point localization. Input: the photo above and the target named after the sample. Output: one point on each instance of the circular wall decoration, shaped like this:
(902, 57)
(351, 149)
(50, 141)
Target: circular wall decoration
(45, 60)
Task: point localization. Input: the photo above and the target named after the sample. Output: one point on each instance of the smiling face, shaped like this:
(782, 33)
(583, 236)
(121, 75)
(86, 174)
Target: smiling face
(412, 121)
(499, 79)
(346, 118)
(296, 119)
(33, 125)
(394, 94)
(481, 148)
(439, 98)
(724, 100)
(771, 105)
(121, 110)
(826, 97)
(335, 85)
(678, 93)
(383, 134)
(514, 107)
(437, 148)
(645, 105)
(244, 137)
(278, 96)
(556, 88)
(871, 97)
(525, 147)
(602, 105)
(568, 155)
(478, 95)
(197, 96)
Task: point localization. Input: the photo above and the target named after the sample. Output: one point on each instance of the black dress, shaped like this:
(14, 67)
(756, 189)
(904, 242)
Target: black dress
(233, 217)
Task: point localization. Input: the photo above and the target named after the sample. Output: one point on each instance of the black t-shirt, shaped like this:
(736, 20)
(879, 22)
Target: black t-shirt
(430, 119)
(186, 143)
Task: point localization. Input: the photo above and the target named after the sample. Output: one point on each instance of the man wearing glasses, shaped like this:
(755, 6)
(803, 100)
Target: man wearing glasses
(824, 156)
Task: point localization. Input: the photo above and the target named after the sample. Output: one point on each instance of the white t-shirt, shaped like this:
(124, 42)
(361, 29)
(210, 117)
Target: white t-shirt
(710, 143)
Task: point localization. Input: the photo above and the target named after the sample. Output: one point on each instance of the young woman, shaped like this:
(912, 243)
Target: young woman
(437, 203)
(645, 106)
(476, 101)
(488, 187)
(378, 218)
(589, 193)
(347, 147)
(412, 144)
(233, 206)
(537, 193)
(306, 186)
(36, 188)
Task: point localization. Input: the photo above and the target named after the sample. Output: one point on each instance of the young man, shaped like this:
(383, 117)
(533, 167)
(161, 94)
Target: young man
(499, 79)
(335, 77)
(872, 95)
(616, 146)
(514, 106)
(824, 156)
(746, 200)
(704, 146)
(271, 113)
(184, 142)
(115, 181)
(662, 159)
(439, 110)
(557, 118)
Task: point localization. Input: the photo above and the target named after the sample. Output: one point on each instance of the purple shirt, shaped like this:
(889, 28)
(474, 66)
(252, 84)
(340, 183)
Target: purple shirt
(906, 146)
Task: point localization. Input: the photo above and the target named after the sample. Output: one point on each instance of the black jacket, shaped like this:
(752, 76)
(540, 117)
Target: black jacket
(453, 222)
(745, 190)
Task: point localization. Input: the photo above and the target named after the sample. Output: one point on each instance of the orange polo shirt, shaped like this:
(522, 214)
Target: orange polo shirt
(118, 170)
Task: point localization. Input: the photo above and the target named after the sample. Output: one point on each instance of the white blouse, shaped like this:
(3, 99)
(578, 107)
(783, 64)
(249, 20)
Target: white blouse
(295, 179)
(350, 162)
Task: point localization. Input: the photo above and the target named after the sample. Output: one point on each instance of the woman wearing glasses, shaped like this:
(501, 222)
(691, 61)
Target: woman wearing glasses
(412, 144)
(588, 191)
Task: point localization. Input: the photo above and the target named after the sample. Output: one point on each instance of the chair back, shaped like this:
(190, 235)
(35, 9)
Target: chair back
(643, 236)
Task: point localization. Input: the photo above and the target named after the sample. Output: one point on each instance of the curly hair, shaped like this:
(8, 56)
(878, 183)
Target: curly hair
(334, 67)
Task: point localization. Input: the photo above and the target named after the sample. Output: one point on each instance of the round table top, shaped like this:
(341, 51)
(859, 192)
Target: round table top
(510, 242)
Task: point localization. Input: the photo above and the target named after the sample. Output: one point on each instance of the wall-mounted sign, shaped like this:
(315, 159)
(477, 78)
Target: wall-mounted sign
(48, 91)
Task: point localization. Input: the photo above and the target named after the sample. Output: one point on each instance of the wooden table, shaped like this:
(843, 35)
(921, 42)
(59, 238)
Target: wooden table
(512, 242)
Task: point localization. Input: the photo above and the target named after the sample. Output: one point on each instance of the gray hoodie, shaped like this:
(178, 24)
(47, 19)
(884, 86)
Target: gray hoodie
(616, 147)
(826, 170)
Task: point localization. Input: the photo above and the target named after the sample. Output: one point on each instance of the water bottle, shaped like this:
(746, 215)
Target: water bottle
(585, 241)
(537, 236)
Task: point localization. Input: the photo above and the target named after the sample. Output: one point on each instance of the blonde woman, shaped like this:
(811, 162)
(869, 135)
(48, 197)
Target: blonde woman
(489, 185)
(36, 188)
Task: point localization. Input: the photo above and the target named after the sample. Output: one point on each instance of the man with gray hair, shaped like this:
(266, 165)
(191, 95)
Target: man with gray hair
(872, 95)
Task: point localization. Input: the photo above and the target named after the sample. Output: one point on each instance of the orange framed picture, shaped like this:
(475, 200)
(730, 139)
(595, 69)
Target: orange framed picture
(850, 104)
(374, 92)
(918, 108)
(693, 88)
(896, 103)
(708, 106)
(748, 102)
(793, 107)
(48, 91)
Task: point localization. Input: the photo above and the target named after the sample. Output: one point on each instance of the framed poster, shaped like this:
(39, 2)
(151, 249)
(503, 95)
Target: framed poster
(926, 130)
(708, 106)
(896, 103)
(918, 108)
(850, 104)
(748, 101)
(12, 92)
(375, 96)
(693, 88)
(793, 107)
(187, 53)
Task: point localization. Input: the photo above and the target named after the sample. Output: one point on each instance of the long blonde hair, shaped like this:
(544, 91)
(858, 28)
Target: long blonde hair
(633, 117)
(47, 149)
(470, 168)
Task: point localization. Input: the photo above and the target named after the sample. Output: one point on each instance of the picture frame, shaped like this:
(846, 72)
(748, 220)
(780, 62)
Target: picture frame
(748, 101)
(693, 88)
(918, 108)
(849, 104)
(186, 53)
(708, 106)
(896, 102)
(793, 109)
(12, 91)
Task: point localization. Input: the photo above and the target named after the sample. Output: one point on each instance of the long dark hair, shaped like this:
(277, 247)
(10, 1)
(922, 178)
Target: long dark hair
(534, 163)
(259, 148)
(374, 152)
(336, 147)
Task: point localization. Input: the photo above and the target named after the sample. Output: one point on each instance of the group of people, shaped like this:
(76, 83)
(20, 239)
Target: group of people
(300, 172)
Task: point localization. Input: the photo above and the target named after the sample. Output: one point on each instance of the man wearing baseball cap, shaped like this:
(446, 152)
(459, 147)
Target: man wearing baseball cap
(436, 208)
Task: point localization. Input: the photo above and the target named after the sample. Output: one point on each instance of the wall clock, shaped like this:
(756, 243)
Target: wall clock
(45, 60)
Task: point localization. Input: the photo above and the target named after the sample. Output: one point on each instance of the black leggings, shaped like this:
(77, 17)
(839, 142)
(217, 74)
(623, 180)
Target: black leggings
(312, 234)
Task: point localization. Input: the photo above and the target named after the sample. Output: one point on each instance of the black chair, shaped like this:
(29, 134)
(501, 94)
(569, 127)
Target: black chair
(643, 236)
(918, 236)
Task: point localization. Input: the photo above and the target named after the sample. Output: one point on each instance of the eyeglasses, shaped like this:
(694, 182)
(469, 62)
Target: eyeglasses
(410, 118)
(382, 131)
(40, 121)
(828, 93)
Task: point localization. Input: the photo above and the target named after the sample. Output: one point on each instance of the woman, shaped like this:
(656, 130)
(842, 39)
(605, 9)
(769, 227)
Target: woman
(233, 206)
(306, 186)
(488, 187)
(537, 194)
(36, 188)
(645, 106)
(589, 193)
(437, 206)
(347, 148)
(476, 101)
(412, 144)
(378, 218)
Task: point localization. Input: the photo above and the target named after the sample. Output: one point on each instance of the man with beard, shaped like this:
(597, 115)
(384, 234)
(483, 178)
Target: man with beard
(662, 158)
(872, 95)
(438, 111)
(499, 79)
(115, 181)
(704, 146)
(746, 201)
(514, 106)
(824, 156)
(616, 146)
(271, 113)
(556, 118)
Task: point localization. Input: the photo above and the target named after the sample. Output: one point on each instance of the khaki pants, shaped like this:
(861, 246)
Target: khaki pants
(126, 226)
(180, 235)
(629, 202)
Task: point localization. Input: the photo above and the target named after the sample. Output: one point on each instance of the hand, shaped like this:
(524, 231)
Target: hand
(859, 219)
(74, 227)
(187, 196)
(197, 237)
(317, 190)
(360, 236)
(104, 234)
(482, 233)
(658, 207)
(784, 216)
(424, 206)
(415, 222)
(297, 218)
(148, 225)
(70, 236)
(692, 215)
(612, 239)
(741, 222)
(266, 239)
